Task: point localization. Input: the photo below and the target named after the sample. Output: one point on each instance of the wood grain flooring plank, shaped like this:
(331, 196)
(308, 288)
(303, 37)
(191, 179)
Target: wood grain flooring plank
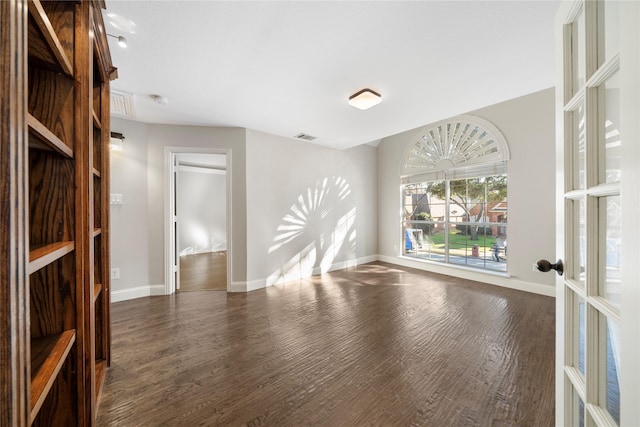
(205, 271)
(372, 345)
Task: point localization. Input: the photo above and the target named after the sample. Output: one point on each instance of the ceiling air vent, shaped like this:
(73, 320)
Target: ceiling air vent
(305, 137)
(122, 104)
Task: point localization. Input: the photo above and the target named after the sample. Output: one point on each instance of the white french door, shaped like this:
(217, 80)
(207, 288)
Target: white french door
(597, 138)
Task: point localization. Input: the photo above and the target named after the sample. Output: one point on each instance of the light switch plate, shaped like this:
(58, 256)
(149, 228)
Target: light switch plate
(116, 199)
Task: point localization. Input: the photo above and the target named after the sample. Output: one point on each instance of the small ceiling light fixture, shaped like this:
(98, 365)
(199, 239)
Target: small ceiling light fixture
(365, 99)
(162, 100)
(116, 141)
(122, 42)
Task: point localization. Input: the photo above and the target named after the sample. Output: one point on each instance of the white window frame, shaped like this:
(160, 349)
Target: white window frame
(464, 146)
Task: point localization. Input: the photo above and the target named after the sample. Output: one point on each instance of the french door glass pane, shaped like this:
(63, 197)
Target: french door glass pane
(611, 29)
(582, 328)
(610, 212)
(579, 243)
(579, 148)
(610, 140)
(612, 365)
(580, 412)
(578, 329)
(578, 47)
(576, 412)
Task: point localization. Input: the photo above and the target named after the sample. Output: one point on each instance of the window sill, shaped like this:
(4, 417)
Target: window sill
(445, 266)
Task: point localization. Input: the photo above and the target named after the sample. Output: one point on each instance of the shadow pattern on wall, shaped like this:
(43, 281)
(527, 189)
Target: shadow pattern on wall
(318, 231)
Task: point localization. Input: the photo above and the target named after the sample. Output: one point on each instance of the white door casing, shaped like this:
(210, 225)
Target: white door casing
(175, 222)
(171, 256)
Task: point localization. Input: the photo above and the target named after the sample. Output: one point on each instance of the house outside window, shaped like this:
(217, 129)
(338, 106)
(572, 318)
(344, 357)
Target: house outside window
(454, 195)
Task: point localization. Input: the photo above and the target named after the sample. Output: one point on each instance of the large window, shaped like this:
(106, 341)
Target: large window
(454, 194)
(457, 221)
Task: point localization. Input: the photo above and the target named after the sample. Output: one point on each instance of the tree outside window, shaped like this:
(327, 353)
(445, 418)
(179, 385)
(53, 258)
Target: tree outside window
(461, 221)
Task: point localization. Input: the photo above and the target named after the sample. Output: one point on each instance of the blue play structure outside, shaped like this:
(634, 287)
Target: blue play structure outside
(408, 239)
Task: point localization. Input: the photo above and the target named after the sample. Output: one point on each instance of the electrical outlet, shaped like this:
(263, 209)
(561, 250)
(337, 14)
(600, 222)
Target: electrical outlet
(115, 273)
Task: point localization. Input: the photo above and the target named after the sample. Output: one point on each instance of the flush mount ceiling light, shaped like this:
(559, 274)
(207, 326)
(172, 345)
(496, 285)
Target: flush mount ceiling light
(162, 100)
(365, 99)
(122, 42)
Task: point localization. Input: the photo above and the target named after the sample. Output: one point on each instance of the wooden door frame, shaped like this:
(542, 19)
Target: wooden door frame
(169, 200)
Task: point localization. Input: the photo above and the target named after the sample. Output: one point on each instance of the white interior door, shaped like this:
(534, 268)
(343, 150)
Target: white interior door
(597, 298)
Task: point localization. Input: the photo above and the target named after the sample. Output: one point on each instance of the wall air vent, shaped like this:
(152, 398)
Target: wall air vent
(122, 104)
(305, 137)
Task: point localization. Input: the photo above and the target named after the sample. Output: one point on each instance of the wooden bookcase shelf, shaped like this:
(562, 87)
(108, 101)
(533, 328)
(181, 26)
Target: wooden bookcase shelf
(48, 354)
(96, 120)
(101, 373)
(42, 256)
(49, 49)
(55, 294)
(44, 139)
(97, 288)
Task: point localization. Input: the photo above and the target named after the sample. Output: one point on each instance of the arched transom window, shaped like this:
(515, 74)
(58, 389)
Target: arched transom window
(455, 194)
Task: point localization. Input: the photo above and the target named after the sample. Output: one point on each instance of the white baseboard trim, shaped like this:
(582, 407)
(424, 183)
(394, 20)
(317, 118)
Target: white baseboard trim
(238, 287)
(137, 292)
(490, 278)
(253, 285)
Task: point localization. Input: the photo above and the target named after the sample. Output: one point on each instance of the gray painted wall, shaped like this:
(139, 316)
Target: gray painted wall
(129, 232)
(309, 208)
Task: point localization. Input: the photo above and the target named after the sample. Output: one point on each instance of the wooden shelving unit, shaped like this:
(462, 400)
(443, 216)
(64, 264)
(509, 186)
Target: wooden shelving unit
(54, 248)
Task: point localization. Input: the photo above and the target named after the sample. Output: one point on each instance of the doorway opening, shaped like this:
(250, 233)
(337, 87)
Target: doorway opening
(197, 221)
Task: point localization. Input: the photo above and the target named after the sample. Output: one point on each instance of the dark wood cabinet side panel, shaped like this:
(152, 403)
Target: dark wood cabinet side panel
(14, 332)
(52, 302)
(51, 102)
(51, 198)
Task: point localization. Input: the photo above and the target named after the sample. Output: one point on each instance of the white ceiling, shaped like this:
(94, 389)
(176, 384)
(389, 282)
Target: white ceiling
(288, 67)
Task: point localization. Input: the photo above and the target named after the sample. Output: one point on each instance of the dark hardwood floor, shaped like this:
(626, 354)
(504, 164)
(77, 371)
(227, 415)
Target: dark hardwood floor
(205, 271)
(376, 345)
